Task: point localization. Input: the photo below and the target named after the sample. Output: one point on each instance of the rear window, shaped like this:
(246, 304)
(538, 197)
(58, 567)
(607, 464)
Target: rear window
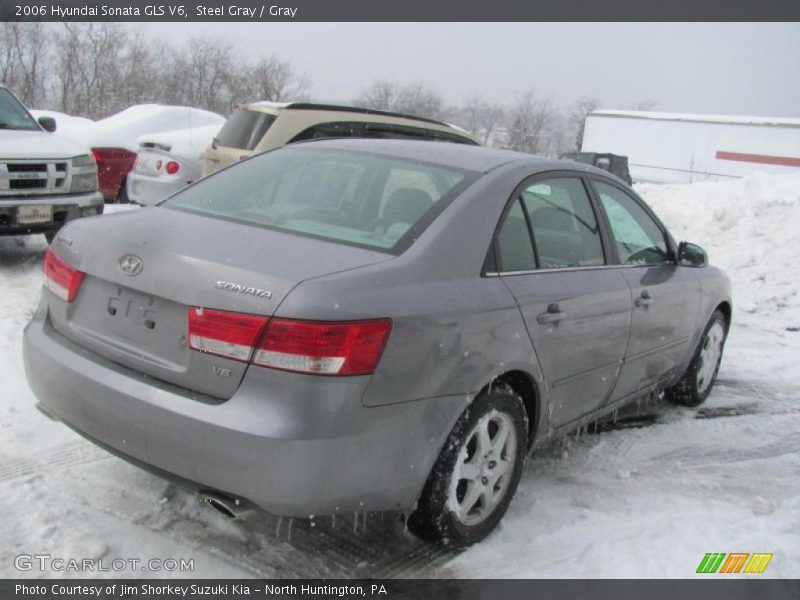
(404, 132)
(244, 129)
(353, 198)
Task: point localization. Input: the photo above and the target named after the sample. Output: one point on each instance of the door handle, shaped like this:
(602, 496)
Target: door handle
(644, 300)
(553, 315)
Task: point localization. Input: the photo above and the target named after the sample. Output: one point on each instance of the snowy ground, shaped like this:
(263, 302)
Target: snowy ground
(646, 496)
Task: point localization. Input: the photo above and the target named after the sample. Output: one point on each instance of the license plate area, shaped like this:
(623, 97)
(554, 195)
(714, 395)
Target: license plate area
(130, 311)
(135, 321)
(34, 214)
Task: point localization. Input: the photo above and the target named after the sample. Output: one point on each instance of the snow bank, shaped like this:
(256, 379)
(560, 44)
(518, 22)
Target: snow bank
(123, 129)
(184, 143)
(749, 227)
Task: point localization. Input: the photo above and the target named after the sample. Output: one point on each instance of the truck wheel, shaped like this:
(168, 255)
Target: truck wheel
(475, 477)
(696, 384)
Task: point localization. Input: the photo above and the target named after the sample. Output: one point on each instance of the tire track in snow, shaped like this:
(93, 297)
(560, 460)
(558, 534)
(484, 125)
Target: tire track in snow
(60, 457)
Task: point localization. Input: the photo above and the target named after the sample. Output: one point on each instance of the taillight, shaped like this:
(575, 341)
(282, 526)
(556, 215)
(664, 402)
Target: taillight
(229, 334)
(61, 278)
(173, 167)
(318, 348)
(335, 348)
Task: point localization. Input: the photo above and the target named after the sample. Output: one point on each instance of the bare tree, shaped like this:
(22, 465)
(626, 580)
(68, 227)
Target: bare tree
(481, 118)
(419, 100)
(529, 120)
(577, 116)
(88, 57)
(379, 95)
(413, 99)
(645, 105)
(140, 77)
(23, 60)
(203, 75)
(273, 79)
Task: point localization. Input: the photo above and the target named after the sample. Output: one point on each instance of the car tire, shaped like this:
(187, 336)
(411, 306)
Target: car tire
(122, 194)
(468, 471)
(696, 384)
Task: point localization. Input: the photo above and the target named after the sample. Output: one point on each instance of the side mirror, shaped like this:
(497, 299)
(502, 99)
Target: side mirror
(691, 255)
(49, 123)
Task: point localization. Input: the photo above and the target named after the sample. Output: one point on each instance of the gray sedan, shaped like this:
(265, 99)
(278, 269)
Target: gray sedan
(371, 325)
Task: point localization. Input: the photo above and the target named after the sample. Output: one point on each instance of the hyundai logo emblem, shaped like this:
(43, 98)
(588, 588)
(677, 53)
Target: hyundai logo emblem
(130, 264)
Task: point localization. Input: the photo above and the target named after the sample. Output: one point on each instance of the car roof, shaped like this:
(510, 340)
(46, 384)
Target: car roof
(460, 156)
(277, 106)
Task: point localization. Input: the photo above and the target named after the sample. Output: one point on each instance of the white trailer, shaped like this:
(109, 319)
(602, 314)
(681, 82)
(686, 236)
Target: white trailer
(672, 147)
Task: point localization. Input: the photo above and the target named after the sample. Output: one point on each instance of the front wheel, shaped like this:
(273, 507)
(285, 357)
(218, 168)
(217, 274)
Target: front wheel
(696, 384)
(477, 472)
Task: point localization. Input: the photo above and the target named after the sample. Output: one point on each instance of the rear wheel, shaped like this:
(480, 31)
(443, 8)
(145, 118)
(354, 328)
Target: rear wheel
(477, 472)
(696, 384)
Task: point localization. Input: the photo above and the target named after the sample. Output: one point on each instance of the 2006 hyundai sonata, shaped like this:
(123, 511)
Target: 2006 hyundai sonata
(365, 325)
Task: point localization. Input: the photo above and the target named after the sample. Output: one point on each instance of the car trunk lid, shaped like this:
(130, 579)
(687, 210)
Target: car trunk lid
(145, 269)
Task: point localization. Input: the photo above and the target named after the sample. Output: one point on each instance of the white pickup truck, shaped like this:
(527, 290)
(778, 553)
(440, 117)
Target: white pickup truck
(45, 179)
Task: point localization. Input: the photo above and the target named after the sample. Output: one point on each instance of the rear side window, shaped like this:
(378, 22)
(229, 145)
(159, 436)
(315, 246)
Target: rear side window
(342, 196)
(514, 242)
(244, 129)
(565, 229)
(404, 132)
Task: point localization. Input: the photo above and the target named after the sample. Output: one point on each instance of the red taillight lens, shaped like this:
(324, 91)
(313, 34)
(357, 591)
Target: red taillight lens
(173, 167)
(337, 348)
(229, 334)
(60, 278)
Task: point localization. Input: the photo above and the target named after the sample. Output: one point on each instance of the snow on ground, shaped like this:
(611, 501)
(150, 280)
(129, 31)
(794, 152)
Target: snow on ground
(646, 496)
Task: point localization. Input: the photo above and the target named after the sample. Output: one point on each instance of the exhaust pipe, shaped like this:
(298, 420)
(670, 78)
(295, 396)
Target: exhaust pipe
(233, 508)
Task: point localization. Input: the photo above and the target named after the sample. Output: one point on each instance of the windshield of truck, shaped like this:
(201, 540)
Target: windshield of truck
(13, 115)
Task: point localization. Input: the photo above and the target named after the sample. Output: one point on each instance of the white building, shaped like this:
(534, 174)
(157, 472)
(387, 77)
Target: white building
(672, 147)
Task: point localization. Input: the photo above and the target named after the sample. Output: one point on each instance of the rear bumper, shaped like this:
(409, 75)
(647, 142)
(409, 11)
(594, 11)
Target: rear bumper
(65, 208)
(294, 445)
(146, 190)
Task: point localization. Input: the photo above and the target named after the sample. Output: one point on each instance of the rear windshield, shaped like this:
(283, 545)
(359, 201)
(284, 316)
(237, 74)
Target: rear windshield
(244, 129)
(354, 198)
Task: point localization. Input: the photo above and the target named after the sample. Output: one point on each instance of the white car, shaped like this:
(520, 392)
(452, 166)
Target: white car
(167, 162)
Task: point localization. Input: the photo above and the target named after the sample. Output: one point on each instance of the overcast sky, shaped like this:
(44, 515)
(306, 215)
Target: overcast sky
(726, 68)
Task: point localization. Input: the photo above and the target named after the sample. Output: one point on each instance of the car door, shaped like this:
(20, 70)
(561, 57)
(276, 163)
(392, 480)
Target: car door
(665, 295)
(550, 253)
